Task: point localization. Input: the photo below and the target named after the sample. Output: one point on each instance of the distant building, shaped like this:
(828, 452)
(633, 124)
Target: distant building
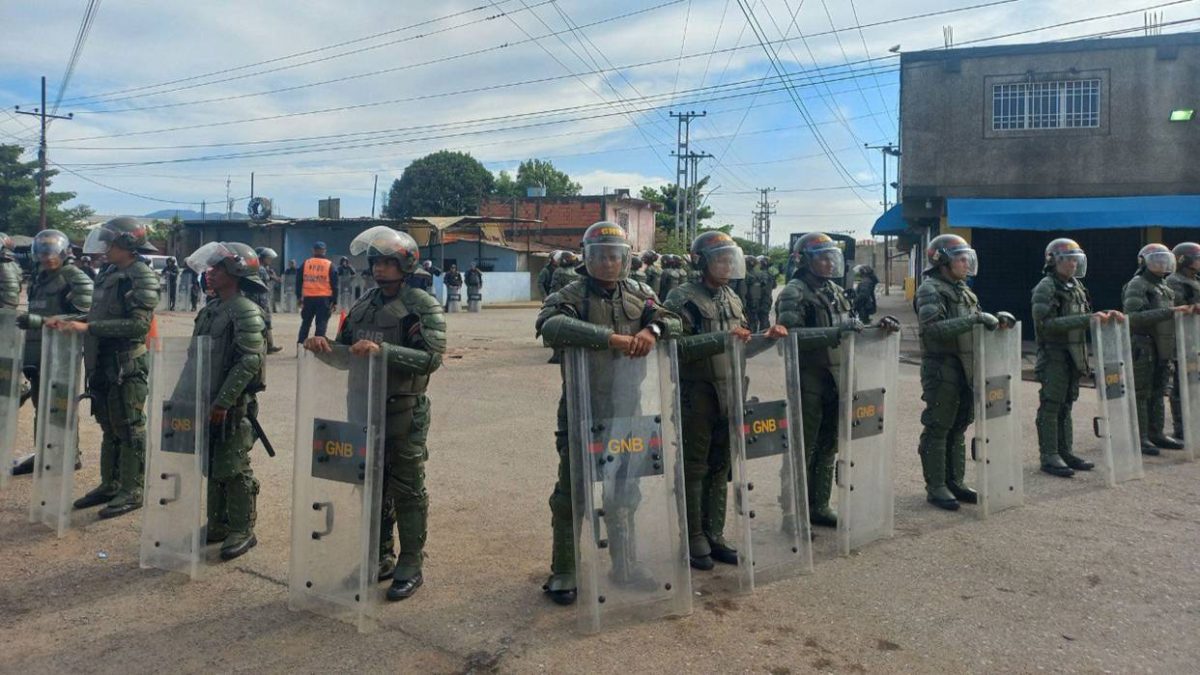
(562, 220)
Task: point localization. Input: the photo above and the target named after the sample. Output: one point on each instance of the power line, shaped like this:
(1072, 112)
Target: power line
(85, 28)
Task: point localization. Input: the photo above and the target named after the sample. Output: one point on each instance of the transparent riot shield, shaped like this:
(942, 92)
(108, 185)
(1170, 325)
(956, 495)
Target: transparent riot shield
(474, 298)
(57, 433)
(868, 372)
(174, 515)
(996, 447)
(1187, 378)
(1117, 425)
(337, 489)
(627, 487)
(453, 299)
(345, 299)
(289, 298)
(766, 435)
(12, 348)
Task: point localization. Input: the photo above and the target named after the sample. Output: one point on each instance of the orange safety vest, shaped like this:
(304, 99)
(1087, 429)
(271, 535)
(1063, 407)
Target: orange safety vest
(316, 278)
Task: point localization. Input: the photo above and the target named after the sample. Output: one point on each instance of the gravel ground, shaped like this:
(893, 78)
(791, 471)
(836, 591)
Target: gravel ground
(1082, 578)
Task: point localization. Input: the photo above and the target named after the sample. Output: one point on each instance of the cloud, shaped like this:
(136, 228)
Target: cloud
(595, 182)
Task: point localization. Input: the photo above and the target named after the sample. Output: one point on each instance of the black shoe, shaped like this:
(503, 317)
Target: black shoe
(703, 563)
(112, 511)
(724, 554)
(1078, 464)
(274, 350)
(238, 548)
(564, 596)
(24, 466)
(823, 517)
(387, 567)
(1166, 442)
(963, 494)
(942, 498)
(1055, 466)
(95, 497)
(404, 588)
(78, 464)
(1149, 448)
(554, 359)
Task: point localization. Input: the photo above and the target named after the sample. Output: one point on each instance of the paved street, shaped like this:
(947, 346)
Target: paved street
(1082, 578)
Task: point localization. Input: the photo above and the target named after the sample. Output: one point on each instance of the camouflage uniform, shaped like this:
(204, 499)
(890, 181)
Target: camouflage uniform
(758, 299)
(1148, 300)
(563, 276)
(708, 316)
(1061, 316)
(544, 279)
(410, 328)
(10, 283)
(583, 314)
(1187, 292)
(117, 364)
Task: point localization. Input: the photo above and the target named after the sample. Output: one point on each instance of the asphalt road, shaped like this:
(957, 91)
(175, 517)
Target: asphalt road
(1081, 578)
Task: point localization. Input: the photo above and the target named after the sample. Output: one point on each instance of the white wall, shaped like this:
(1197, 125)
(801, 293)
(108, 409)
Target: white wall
(498, 287)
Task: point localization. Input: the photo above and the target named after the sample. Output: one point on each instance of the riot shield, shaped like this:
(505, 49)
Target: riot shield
(12, 348)
(627, 486)
(996, 447)
(766, 435)
(174, 515)
(337, 489)
(453, 299)
(868, 372)
(345, 298)
(1187, 378)
(1117, 425)
(57, 433)
(289, 298)
(474, 298)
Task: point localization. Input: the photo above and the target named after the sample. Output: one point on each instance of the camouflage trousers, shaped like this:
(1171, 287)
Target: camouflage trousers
(118, 388)
(405, 501)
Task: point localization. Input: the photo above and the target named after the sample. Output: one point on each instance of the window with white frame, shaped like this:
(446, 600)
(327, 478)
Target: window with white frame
(1067, 104)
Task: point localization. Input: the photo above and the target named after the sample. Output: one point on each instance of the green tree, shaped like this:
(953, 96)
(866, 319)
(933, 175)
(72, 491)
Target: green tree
(541, 172)
(666, 195)
(444, 183)
(19, 196)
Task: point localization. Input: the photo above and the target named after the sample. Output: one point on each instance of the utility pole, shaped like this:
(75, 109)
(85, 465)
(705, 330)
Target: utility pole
(44, 117)
(687, 203)
(228, 201)
(374, 192)
(683, 177)
(763, 219)
(885, 151)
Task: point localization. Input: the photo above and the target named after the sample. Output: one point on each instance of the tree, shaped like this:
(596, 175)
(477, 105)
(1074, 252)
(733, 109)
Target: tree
(665, 196)
(444, 183)
(536, 173)
(19, 196)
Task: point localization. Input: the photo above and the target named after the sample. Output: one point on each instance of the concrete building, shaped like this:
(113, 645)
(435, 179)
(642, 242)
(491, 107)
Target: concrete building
(562, 220)
(1012, 146)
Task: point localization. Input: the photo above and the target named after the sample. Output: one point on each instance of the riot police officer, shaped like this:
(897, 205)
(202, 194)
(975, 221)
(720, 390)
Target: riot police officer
(758, 295)
(741, 286)
(170, 278)
(671, 276)
(454, 282)
(709, 311)
(261, 293)
(653, 271)
(565, 272)
(602, 309)
(947, 311)
(636, 272)
(237, 328)
(1150, 304)
(58, 289)
(814, 308)
(408, 326)
(864, 292)
(10, 274)
(546, 276)
(1186, 286)
(117, 361)
(1062, 313)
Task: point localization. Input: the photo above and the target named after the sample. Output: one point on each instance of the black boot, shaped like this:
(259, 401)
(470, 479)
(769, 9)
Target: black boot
(963, 494)
(1148, 448)
(1078, 463)
(1055, 466)
(387, 567)
(404, 588)
(561, 589)
(723, 553)
(24, 466)
(1166, 442)
(942, 498)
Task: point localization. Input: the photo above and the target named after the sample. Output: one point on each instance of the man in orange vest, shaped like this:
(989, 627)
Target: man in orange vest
(317, 286)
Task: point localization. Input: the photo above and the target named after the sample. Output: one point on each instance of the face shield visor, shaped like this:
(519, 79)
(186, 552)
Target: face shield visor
(726, 263)
(98, 241)
(963, 261)
(827, 262)
(1071, 264)
(607, 262)
(208, 256)
(383, 241)
(1160, 262)
(50, 246)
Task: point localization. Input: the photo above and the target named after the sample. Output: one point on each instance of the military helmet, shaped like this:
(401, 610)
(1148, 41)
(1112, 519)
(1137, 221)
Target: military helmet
(635, 263)
(719, 255)
(1186, 253)
(816, 246)
(1156, 258)
(554, 255)
(7, 246)
(265, 253)
(649, 256)
(427, 265)
(382, 241)
(51, 243)
(751, 262)
(123, 232)
(764, 261)
(1066, 249)
(946, 247)
(234, 257)
(569, 259)
(606, 251)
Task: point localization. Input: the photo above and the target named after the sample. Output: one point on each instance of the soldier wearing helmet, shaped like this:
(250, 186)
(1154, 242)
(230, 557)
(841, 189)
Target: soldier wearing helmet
(10, 274)
(650, 260)
(1062, 313)
(565, 273)
(1187, 292)
(814, 308)
(636, 272)
(740, 286)
(58, 288)
(710, 311)
(1151, 305)
(408, 326)
(947, 311)
(117, 362)
(671, 275)
(264, 297)
(170, 280)
(602, 309)
(236, 325)
(547, 274)
(864, 292)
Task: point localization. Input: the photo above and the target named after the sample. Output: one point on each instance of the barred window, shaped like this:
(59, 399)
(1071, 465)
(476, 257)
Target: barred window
(1067, 104)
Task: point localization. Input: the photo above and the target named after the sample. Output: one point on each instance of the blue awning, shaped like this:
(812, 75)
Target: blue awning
(1077, 213)
(890, 223)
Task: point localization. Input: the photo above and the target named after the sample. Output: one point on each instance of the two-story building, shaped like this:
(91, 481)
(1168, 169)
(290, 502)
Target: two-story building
(562, 220)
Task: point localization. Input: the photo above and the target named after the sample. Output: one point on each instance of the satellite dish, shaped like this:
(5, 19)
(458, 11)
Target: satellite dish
(259, 209)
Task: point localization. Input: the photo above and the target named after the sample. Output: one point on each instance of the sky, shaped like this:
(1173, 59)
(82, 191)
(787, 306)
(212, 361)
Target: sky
(173, 99)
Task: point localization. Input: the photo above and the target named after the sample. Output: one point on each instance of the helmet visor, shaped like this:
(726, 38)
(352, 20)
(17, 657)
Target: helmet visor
(964, 260)
(726, 263)
(1160, 262)
(828, 262)
(98, 241)
(1071, 264)
(383, 241)
(207, 256)
(607, 261)
(52, 246)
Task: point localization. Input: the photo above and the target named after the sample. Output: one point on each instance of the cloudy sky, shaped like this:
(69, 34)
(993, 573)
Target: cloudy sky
(173, 98)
